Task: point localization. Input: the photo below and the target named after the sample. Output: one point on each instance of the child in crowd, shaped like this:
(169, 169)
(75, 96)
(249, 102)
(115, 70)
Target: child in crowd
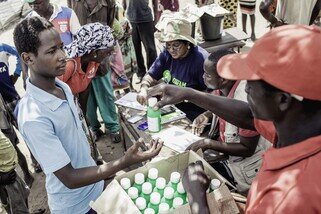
(49, 123)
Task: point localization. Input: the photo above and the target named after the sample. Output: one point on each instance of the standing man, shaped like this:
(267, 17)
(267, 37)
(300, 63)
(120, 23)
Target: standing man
(141, 19)
(63, 18)
(101, 92)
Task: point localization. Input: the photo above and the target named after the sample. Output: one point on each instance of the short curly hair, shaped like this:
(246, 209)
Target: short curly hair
(26, 34)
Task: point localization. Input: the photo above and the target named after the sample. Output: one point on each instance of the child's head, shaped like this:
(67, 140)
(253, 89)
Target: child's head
(40, 47)
(211, 77)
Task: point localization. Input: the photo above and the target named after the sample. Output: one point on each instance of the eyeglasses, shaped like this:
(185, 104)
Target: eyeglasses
(174, 46)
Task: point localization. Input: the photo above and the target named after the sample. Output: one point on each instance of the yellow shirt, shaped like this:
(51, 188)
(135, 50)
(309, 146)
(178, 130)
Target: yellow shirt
(8, 154)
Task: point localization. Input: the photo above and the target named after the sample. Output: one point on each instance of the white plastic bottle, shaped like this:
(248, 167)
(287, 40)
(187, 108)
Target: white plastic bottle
(149, 211)
(152, 176)
(153, 117)
(168, 196)
(174, 180)
(177, 202)
(141, 204)
(160, 186)
(125, 184)
(163, 208)
(215, 184)
(146, 191)
(133, 193)
(139, 180)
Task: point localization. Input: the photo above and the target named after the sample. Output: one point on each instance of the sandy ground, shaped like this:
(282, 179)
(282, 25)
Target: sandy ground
(38, 197)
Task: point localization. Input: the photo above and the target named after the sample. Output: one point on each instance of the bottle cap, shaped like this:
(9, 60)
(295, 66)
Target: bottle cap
(160, 183)
(163, 208)
(147, 188)
(152, 101)
(155, 198)
(169, 193)
(125, 183)
(139, 178)
(215, 184)
(149, 211)
(177, 202)
(180, 188)
(133, 192)
(153, 173)
(175, 176)
(141, 203)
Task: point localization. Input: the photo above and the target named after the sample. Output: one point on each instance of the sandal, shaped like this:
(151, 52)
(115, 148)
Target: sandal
(115, 137)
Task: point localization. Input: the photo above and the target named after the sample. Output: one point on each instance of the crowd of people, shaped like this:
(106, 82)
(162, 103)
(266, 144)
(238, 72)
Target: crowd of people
(263, 107)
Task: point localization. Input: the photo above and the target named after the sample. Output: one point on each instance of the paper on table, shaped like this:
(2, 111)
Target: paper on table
(176, 138)
(129, 100)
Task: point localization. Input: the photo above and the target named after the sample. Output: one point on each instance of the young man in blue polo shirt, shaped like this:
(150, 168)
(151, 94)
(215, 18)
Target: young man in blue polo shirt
(50, 125)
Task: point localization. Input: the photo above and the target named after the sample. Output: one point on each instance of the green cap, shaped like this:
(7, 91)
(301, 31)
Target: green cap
(29, 1)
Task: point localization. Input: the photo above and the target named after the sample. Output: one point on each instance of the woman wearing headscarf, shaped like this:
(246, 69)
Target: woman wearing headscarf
(180, 63)
(92, 44)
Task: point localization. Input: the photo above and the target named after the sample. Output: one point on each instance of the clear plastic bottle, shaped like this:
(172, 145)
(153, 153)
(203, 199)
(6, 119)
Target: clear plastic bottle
(139, 180)
(215, 184)
(125, 184)
(168, 196)
(146, 191)
(160, 186)
(141, 204)
(163, 208)
(177, 202)
(133, 193)
(149, 211)
(153, 117)
(152, 176)
(180, 192)
(174, 180)
(154, 201)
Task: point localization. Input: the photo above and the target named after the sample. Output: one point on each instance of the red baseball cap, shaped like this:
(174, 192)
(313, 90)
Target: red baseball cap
(287, 57)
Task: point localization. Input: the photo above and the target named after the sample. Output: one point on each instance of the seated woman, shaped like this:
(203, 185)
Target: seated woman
(180, 63)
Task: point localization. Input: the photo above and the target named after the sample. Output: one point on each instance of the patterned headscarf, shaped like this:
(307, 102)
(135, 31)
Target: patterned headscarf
(90, 37)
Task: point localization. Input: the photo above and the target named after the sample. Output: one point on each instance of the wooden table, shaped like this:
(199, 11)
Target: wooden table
(130, 132)
(231, 38)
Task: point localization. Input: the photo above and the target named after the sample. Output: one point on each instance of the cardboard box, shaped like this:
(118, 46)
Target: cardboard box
(115, 200)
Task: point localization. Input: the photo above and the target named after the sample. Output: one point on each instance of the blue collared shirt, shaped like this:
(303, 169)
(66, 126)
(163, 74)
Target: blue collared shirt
(53, 131)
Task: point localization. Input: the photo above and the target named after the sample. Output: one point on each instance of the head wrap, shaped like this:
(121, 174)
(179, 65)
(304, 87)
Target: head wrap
(90, 37)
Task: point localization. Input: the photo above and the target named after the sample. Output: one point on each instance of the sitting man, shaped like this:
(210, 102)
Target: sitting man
(49, 123)
(244, 147)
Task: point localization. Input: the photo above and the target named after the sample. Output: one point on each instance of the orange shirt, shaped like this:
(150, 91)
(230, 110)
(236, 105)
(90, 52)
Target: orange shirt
(76, 78)
(289, 180)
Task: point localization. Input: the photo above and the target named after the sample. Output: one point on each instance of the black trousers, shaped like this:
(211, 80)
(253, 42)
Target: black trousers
(144, 32)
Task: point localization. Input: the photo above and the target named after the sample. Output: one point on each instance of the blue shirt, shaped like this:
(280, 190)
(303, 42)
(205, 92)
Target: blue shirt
(186, 72)
(7, 88)
(53, 131)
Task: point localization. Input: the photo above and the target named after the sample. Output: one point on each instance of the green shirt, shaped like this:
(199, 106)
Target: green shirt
(8, 154)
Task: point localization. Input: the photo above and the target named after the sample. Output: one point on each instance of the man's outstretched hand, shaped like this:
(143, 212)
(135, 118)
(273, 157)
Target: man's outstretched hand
(133, 155)
(170, 94)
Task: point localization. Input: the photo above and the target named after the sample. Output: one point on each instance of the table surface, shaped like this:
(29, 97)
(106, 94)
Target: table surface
(231, 37)
(131, 129)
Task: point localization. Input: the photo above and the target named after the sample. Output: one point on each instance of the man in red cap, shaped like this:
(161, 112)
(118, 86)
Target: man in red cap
(283, 73)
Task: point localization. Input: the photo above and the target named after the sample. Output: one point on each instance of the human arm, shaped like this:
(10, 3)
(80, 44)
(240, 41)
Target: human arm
(74, 23)
(146, 83)
(13, 52)
(264, 9)
(200, 122)
(233, 111)
(76, 178)
(245, 148)
(155, 9)
(196, 182)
